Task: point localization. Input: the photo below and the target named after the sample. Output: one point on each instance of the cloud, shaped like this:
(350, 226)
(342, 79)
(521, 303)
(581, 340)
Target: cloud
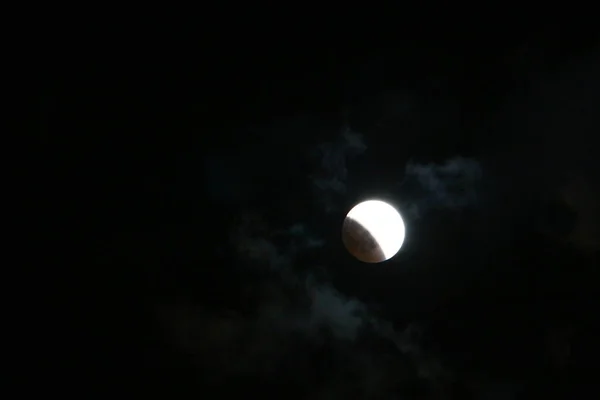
(324, 307)
(453, 184)
(340, 314)
(327, 307)
(583, 198)
(302, 329)
(330, 176)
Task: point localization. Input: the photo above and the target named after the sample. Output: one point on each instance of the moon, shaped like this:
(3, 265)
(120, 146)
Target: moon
(373, 231)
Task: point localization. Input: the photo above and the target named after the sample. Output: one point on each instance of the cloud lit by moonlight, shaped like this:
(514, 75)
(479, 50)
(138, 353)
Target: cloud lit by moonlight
(373, 231)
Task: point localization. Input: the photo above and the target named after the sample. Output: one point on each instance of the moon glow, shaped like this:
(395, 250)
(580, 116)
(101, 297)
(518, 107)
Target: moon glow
(373, 231)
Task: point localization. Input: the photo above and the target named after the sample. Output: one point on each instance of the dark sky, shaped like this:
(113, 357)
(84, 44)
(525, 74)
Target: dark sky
(206, 176)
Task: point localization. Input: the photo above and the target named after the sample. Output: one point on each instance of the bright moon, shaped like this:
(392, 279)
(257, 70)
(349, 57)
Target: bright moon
(373, 231)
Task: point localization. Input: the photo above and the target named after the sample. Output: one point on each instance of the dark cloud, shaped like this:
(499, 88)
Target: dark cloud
(325, 305)
(539, 147)
(298, 310)
(331, 174)
(453, 184)
(583, 197)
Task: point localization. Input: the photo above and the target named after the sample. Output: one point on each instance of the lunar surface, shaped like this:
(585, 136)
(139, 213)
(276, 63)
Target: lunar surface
(373, 231)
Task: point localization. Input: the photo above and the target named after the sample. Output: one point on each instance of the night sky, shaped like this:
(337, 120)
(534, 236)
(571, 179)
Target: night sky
(205, 178)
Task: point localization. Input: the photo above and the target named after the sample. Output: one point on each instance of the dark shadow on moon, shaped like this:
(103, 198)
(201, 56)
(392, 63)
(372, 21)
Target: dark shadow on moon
(360, 243)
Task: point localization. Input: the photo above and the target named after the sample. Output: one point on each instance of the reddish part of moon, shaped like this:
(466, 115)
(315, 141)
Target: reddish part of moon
(360, 243)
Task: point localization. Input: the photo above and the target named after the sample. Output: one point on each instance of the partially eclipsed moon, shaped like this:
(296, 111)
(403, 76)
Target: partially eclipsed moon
(373, 231)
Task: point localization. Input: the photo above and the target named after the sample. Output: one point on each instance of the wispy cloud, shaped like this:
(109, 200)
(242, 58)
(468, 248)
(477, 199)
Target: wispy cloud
(453, 184)
(331, 174)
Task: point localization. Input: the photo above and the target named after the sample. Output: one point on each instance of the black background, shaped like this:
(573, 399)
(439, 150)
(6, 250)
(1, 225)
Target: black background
(162, 135)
